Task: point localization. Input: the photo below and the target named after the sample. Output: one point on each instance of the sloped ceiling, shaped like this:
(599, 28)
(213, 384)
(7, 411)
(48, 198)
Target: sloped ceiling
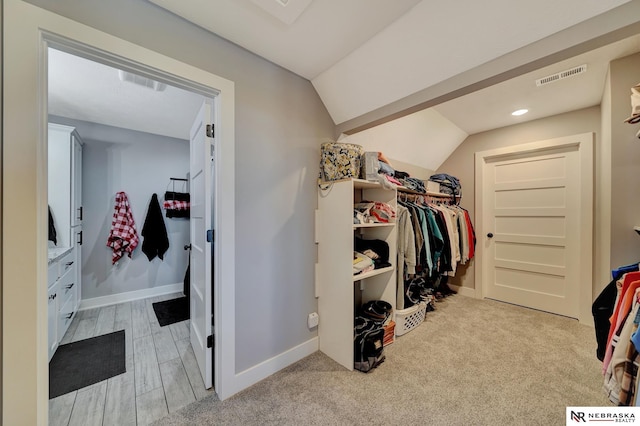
(361, 55)
(331, 34)
(491, 108)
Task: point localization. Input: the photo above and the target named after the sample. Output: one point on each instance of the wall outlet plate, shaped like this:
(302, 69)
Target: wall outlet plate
(312, 320)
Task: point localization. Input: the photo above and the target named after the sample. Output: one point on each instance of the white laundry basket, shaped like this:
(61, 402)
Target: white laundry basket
(410, 318)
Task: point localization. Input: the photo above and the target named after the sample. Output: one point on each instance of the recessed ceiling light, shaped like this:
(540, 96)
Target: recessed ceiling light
(520, 112)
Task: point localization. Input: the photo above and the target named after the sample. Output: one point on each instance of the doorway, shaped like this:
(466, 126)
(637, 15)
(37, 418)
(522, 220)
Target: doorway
(24, 268)
(168, 370)
(534, 206)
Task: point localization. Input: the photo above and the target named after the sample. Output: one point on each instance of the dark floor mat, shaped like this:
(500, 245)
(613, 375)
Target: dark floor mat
(85, 362)
(172, 311)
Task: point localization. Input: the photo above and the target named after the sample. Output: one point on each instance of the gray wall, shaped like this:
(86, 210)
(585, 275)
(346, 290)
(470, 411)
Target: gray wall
(280, 122)
(462, 162)
(625, 163)
(139, 164)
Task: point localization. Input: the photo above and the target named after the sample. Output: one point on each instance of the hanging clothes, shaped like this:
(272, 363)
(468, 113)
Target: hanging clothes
(155, 242)
(53, 235)
(443, 237)
(406, 264)
(123, 237)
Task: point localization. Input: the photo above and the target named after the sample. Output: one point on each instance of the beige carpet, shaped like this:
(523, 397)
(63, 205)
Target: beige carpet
(472, 362)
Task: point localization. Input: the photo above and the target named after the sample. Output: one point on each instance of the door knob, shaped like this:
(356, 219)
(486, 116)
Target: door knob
(490, 235)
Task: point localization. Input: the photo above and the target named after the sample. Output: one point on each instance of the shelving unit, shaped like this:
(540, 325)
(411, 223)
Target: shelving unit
(339, 292)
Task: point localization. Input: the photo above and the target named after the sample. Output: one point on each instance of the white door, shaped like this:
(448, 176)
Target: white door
(201, 250)
(532, 230)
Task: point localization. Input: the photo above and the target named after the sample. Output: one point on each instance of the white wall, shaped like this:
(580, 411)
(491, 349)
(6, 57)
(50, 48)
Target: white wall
(424, 139)
(625, 163)
(139, 164)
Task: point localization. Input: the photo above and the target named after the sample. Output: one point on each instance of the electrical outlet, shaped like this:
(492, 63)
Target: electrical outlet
(312, 320)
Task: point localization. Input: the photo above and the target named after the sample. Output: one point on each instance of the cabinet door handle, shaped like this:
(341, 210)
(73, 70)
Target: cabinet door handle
(70, 315)
(70, 286)
(80, 238)
(69, 264)
(52, 296)
(80, 213)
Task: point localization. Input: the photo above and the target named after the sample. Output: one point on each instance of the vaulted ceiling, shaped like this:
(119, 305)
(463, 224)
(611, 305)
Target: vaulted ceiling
(470, 63)
(361, 55)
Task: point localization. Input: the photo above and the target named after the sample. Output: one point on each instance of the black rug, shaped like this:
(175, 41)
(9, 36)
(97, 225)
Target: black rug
(85, 362)
(172, 311)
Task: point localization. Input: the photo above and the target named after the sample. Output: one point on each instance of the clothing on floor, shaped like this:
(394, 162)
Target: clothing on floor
(154, 231)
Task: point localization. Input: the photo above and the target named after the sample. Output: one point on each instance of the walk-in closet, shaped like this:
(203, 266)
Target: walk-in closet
(386, 249)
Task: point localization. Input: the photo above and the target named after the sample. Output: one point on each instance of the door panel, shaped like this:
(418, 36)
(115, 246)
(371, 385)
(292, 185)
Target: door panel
(200, 218)
(532, 210)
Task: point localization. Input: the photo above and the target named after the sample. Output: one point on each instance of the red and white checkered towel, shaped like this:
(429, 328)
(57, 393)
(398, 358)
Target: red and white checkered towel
(176, 205)
(123, 237)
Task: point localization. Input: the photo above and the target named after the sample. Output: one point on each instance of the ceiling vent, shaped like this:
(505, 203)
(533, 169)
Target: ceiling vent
(287, 11)
(141, 81)
(561, 75)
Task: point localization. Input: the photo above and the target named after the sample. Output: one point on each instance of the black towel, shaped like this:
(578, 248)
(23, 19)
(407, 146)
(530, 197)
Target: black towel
(53, 235)
(155, 241)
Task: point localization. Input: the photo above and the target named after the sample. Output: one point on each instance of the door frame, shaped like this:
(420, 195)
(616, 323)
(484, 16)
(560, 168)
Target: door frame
(585, 145)
(27, 35)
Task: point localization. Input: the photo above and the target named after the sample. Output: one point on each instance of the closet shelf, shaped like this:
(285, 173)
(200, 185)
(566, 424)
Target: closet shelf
(428, 193)
(373, 225)
(372, 273)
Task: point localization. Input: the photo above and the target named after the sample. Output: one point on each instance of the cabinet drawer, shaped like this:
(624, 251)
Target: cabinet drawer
(68, 286)
(67, 262)
(52, 274)
(65, 316)
(52, 315)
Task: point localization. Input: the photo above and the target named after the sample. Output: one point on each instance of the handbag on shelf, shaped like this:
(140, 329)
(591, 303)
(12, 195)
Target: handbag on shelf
(340, 161)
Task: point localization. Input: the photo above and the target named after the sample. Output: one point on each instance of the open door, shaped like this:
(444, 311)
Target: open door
(201, 290)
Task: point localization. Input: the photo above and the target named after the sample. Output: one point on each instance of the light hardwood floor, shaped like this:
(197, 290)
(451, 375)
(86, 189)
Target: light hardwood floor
(162, 374)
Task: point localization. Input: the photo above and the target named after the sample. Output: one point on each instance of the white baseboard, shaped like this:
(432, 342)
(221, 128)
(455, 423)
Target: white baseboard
(465, 291)
(114, 299)
(253, 375)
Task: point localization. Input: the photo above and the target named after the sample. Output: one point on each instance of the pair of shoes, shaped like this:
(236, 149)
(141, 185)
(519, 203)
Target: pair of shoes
(446, 290)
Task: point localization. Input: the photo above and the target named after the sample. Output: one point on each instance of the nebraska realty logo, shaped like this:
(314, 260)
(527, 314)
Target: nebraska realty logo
(601, 415)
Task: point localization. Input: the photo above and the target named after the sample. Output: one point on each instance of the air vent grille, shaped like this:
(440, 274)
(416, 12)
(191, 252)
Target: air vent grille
(141, 81)
(561, 75)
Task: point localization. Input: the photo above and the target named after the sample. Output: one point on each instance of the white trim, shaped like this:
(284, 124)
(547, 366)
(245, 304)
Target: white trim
(270, 366)
(28, 32)
(129, 296)
(584, 142)
(464, 291)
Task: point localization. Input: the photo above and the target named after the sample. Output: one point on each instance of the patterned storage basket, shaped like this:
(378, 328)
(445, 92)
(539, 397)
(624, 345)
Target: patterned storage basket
(340, 161)
(410, 318)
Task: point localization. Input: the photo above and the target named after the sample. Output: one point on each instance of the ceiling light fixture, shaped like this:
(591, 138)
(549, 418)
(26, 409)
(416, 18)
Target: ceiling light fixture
(520, 112)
